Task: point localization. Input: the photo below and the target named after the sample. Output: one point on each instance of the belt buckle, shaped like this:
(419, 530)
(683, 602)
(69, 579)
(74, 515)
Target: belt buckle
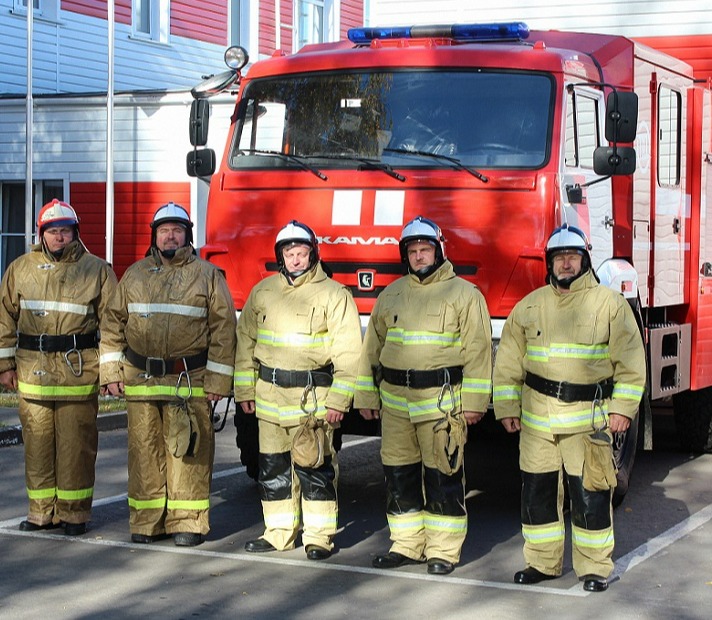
(41, 340)
(407, 378)
(560, 386)
(149, 360)
(274, 377)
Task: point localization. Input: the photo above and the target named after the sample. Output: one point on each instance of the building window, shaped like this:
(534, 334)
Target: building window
(239, 23)
(151, 20)
(43, 9)
(12, 214)
(311, 26)
(21, 5)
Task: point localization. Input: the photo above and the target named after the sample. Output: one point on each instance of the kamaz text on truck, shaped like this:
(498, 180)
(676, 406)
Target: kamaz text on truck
(499, 134)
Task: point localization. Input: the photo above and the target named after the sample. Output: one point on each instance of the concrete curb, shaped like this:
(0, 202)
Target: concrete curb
(11, 435)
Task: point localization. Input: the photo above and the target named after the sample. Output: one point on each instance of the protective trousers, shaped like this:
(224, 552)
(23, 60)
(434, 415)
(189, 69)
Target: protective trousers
(425, 508)
(168, 494)
(286, 488)
(60, 440)
(541, 460)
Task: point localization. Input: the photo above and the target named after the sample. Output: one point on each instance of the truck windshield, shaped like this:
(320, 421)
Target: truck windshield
(404, 119)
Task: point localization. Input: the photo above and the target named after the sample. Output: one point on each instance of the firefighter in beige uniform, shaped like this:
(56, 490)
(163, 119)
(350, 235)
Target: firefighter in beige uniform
(429, 346)
(298, 342)
(169, 346)
(52, 301)
(571, 360)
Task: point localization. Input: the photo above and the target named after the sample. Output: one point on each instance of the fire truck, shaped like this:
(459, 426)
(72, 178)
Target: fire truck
(499, 134)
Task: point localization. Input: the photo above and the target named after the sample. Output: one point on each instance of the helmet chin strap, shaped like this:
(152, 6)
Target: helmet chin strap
(566, 283)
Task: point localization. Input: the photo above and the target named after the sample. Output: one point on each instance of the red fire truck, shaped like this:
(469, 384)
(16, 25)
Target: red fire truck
(499, 134)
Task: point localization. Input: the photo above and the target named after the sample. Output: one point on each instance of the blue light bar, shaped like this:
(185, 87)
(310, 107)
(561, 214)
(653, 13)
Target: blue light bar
(504, 31)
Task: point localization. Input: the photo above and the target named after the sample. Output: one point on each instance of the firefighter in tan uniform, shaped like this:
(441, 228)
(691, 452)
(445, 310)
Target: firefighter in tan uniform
(298, 342)
(169, 346)
(571, 361)
(426, 363)
(52, 301)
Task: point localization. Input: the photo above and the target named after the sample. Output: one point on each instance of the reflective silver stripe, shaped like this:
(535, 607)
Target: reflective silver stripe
(110, 357)
(7, 352)
(180, 309)
(56, 306)
(221, 369)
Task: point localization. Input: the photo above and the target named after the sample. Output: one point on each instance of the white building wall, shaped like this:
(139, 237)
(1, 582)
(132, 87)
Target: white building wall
(71, 55)
(633, 18)
(69, 137)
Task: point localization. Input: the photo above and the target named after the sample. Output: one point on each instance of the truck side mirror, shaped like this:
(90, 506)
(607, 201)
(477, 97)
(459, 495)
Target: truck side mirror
(200, 163)
(614, 160)
(621, 116)
(198, 126)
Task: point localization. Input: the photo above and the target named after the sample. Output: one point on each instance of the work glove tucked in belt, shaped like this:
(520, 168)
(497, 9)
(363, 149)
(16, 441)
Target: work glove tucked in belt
(183, 431)
(308, 443)
(450, 434)
(599, 470)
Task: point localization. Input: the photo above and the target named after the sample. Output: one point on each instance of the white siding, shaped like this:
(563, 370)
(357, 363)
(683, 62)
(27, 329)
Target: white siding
(70, 56)
(633, 18)
(69, 137)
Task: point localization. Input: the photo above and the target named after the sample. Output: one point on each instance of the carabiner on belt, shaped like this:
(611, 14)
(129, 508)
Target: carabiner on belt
(310, 389)
(184, 374)
(80, 363)
(597, 407)
(447, 386)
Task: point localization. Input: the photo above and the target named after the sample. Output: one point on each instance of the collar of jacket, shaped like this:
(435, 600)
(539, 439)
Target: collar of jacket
(72, 252)
(586, 281)
(183, 256)
(445, 272)
(315, 274)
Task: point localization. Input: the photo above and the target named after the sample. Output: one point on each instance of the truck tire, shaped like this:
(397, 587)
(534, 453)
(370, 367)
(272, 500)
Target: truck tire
(693, 419)
(247, 440)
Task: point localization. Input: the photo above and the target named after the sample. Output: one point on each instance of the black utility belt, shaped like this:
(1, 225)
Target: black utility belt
(422, 379)
(319, 377)
(53, 344)
(159, 367)
(570, 392)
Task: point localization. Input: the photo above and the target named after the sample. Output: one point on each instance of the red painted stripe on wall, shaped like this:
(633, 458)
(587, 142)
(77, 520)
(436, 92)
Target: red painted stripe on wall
(135, 204)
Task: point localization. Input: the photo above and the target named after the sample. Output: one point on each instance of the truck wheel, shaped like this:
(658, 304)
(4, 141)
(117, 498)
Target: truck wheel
(693, 419)
(247, 440)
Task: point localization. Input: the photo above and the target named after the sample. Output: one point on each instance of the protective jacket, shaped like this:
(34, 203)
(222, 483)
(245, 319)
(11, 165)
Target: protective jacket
(304, 325)
(437, 323)
(170, 312)
(43, 296)
(584, 336)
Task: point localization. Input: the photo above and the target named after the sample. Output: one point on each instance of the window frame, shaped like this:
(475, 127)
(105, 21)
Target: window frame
(159, 20)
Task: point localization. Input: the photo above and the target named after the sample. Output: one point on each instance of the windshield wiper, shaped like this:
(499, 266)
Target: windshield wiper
(453, 160)
(372, 164)
(297, 159)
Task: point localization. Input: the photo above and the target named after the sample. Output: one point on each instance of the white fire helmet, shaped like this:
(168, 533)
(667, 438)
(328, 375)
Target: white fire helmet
(423, 229)
(296, 233)
(172, 213)
(572, 239)
(57, 213)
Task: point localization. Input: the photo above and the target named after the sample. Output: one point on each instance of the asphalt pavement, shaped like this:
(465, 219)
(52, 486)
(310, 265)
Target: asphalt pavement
(662, 558)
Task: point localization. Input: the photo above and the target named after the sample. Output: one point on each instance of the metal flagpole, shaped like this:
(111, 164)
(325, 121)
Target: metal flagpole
(29, 220)
(110, 139)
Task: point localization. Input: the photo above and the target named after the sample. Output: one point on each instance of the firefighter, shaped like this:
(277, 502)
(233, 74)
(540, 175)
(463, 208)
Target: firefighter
(570, 362)
(298, 341)
(169, 347)
(52, 301)
(425, 367)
